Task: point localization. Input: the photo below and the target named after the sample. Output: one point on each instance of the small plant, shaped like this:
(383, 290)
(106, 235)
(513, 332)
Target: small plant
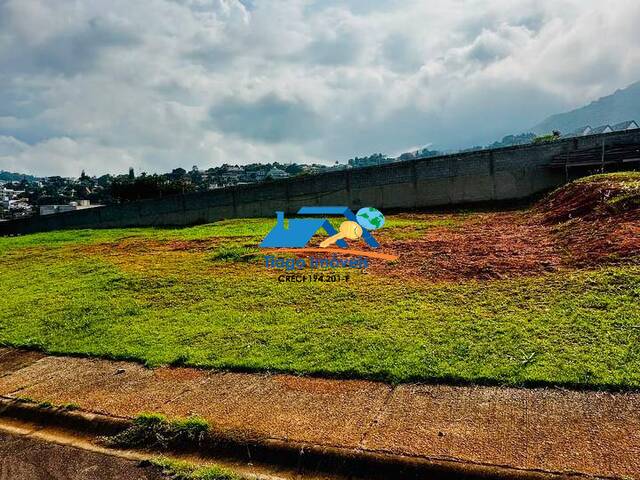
(179, 470)
(153, 430)
(191, 429)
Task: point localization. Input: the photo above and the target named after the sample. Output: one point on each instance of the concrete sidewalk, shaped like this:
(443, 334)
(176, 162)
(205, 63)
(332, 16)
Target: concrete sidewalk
(551, 430)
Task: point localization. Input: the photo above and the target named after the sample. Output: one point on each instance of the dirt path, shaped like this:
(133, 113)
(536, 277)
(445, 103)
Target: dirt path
(552, 430)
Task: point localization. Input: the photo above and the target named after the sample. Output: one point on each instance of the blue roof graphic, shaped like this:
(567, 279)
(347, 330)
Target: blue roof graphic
(298, 233)
(300, 230)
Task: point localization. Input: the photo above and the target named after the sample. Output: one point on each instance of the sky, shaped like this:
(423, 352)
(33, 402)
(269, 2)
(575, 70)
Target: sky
(102, 85)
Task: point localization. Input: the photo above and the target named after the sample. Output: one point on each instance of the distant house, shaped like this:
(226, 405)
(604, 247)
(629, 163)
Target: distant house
(79, 205)
(260, 175)
(579, 132)
(10, 202)
(310, 169)
(230, 174)
(628, 125)
(277, 173)
(601, 129)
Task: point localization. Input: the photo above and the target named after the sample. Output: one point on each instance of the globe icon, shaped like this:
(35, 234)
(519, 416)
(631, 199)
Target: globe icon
(370, 218)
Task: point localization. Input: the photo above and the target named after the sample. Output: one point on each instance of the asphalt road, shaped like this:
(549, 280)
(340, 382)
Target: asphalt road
(23, 458)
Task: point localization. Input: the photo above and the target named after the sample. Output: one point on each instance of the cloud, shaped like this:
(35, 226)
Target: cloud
(10, 146)
(269, 119)
(102, 85)
(59, 49)
(63, 155)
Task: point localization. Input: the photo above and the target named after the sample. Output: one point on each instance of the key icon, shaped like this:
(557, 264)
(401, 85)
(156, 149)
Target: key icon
(349, 230)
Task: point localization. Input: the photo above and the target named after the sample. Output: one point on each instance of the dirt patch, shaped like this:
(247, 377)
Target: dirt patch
(596, 220)
(592, 198)
(486, 246)
(129, 246)
(610, 240)
(591, 222)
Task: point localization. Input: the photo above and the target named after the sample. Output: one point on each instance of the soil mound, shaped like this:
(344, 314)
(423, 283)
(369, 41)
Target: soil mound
(595, 197)
(590, 222)
(596, 219)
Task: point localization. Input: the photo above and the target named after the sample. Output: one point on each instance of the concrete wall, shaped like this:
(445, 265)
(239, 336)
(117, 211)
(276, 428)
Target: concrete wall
(498, 174)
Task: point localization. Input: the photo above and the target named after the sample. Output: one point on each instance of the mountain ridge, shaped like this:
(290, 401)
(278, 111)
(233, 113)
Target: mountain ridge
(621, 105)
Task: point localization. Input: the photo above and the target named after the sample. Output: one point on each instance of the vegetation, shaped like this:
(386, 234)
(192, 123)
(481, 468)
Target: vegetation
(551, 137)
(150, 295)
(511, 140)
(155, 431)
(179, 470)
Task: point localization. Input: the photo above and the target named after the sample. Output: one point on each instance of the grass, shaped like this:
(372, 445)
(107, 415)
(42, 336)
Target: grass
(153, 430)
(220, 308)
(180, 470)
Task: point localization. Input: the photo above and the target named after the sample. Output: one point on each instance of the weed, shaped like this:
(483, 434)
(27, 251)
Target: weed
(180, 470)
(152, 430)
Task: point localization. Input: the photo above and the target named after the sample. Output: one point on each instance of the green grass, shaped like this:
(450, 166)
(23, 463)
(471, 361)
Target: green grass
(251, 227)
(221, 309)
(153, 430)
(180, 470)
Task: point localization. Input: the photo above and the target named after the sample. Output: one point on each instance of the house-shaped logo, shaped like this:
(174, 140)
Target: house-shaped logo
(300, 230)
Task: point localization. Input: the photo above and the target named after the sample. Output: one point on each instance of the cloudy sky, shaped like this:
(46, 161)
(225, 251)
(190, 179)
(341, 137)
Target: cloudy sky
(103, 85)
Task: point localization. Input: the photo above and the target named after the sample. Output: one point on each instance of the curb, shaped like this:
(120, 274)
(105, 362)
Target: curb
(293, 456)
(75, 420)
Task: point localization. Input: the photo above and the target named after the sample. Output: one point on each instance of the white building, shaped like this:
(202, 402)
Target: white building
(601, 129)
(79, 205)
(7, 196)
(580, 132)
(628, 125)
(277, 173)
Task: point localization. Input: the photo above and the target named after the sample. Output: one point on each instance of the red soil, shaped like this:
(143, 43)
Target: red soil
(491, 245)
(584, 224)
(596, 221)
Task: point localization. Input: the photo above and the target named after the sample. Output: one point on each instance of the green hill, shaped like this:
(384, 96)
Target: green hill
(15, 177)
(620, 106)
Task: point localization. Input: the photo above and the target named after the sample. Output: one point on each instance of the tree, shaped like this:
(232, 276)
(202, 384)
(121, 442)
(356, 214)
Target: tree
(293, 169)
